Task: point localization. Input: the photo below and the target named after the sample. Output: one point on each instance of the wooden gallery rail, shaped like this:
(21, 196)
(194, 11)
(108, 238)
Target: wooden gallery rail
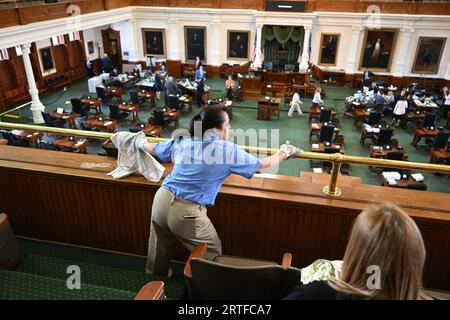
(68, 198)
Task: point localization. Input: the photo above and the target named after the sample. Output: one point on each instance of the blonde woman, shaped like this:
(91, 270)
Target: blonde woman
(317, 99)
(295, 105)
(384, 259)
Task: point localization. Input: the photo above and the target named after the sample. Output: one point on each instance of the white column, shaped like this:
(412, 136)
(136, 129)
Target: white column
(404, 48)
(258, 58)
(136, 47)
(305, 53)
(353, 52)
(173, 52)
(447, 75)
(36, 105)
(216, 43)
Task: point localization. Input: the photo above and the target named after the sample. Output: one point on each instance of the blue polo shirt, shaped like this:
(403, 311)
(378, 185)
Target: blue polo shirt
(201, 166)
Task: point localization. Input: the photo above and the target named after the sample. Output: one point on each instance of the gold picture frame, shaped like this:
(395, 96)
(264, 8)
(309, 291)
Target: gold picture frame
(154, 41)
(428, 55)
(378, 49)
(329, 50)
(238, 45)
(195, 43)
(46, 60)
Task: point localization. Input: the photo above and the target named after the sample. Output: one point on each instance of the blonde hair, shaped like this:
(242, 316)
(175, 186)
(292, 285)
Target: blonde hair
(384, 236)
(318, 89)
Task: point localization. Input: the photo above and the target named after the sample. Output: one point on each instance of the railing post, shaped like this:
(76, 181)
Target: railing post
(332, 190)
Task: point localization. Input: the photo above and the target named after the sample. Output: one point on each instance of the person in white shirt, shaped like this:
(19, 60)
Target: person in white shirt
(399, 111)
(388, 100)
(295, 105)
(446, 95)
(317, 100)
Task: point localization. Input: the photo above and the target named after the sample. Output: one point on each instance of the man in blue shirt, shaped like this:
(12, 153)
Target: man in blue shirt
(203, 159)
(200, 74)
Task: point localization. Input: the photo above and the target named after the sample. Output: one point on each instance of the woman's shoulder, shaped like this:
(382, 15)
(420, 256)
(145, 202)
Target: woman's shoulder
(318, 290)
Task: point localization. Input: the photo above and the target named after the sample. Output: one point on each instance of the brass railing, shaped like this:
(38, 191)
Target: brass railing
(337, 159)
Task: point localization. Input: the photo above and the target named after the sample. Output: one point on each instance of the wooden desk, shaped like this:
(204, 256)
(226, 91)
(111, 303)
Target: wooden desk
(274, 91)
(148, 95)
(76, 145)
(186, 99)
(314, 112)
(252, 87)
(401, 183)
(320, 147)
(440, 156)
(420, 133)
(425, 106)
(108, 125)
(174, 115)
(130, 107)
(265, 106)
(69, 118)
(94, 103)
(366, 134)
(114, 91)
(151, 130)
(413, 117)
(27, 135)
(315, 128)
(359, 115)
(382, 154)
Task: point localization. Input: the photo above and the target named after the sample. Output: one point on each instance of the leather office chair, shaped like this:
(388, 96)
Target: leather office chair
(325, 115)
(78, 108)
(117, 114)
(374, 118)
(153, 290)
(235, 278)
(49, 122)
(383, 137)
(12, 140)
(326, 133)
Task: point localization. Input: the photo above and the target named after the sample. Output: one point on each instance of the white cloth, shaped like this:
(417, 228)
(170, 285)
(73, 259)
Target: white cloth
(131, 158)
(295, 105)
(317, 98)
(400, 107)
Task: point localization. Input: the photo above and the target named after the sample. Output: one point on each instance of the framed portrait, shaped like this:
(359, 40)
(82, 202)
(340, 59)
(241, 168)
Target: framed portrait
(90, 46)
(195, 42)
(46, 60)
(154, 42)
(329, 45)
(428, 55)
(378, 49)
(238, 45)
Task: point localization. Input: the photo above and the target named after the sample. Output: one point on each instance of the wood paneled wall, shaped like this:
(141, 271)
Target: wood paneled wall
(36, 13)
(47, 196)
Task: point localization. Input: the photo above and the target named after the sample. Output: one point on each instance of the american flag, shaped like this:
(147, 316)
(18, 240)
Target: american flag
(4, 54)
(254, 49)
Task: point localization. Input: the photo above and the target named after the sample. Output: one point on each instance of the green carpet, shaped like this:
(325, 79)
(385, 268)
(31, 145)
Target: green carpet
(296, 130)
(42, 274)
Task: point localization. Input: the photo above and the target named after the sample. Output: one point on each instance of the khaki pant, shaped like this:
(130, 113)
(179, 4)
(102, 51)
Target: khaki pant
(177, 219)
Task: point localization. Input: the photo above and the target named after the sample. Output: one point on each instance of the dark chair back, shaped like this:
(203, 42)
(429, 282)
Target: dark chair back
(326, 133)
(395, 155)
(384, 137)
(101, 94)
(417, 186)
(374, 118)
(430, 120)
(76, 106)
(12, 140)
(158, 118)
(114, 110)
(133, 96)
(49, 146)
(441, 141)
(215, 281)
(47, 119)
(331, 150)
(173, 102)
(325, 115)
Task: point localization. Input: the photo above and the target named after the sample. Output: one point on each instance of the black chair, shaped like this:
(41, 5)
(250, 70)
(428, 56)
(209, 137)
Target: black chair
(117, 114)
(395, 155)
(384, 137)
(12, 140)
(441, 140)
(374, 118)
(134, 97)
(101, 94)
(49, 146)
(429, 121)
(331, 150)
(326, 133)
(237, 278)
(78, 108)
(174, 102)
(159, 119)
(325, 115)
(49, 122)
